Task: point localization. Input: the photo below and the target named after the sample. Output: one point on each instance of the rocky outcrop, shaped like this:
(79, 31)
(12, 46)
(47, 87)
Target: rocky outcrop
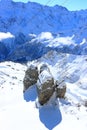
(31, 76)
(45, 85)
(60, 89)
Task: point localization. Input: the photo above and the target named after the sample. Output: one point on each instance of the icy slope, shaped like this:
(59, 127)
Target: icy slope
(18, 111)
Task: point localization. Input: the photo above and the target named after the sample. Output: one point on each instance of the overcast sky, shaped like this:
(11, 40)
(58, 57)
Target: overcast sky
(69, 4)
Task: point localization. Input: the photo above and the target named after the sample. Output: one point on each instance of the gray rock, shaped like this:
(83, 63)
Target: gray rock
(31, 76)
(45, 86)
(60, 89)
(84, 102)
(45, 83)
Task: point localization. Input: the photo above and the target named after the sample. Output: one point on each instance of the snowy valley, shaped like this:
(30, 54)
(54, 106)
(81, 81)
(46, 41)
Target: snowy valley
(33, 34)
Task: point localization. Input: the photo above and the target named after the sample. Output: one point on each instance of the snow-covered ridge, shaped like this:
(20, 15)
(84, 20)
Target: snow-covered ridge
(29, 47)
(38, 45)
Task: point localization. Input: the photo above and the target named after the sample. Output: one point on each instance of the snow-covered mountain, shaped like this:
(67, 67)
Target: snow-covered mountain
(34, 18)
(53, 36)
(26, 21)
(18, 110)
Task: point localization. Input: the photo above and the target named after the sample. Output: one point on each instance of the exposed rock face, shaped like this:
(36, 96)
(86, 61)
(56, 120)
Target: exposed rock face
(31, 76)
(45, 82)
(60, 89)
(45, 85)
(84, 102)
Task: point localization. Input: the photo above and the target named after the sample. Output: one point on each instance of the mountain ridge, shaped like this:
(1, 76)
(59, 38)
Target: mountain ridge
(24, 19)
(29, 18)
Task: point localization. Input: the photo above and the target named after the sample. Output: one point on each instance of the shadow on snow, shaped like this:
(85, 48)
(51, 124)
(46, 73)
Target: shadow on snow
(50, 116)
(30, 94)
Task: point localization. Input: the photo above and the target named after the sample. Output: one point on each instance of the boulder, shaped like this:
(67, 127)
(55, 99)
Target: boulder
(60, 89)
(84, 102)
(31, 76)
(45, 85)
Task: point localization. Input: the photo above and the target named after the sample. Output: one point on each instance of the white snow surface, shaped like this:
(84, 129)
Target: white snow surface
(45, 36)
(18, 111)
(5, 35)
(59, 41)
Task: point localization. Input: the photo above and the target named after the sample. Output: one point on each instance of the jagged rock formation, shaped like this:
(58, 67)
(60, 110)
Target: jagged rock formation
(45, 83)
(60, 89)
(31, 76)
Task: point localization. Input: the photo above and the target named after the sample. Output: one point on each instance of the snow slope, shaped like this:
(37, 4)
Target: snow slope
(18, 110)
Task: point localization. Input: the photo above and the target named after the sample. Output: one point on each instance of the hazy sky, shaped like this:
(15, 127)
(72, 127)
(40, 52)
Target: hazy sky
(69, 4)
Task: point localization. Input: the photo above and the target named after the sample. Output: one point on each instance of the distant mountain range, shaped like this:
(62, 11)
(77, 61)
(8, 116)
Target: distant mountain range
(26, 22)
